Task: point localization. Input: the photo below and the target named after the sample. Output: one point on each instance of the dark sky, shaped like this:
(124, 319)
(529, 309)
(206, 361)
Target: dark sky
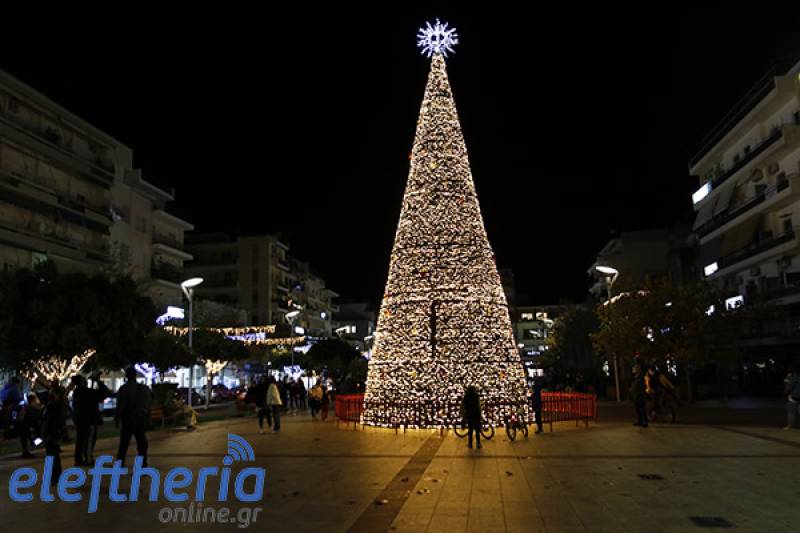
(579, 121)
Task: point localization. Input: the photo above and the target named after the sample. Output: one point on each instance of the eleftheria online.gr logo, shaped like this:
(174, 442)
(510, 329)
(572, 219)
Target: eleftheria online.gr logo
(179, 484)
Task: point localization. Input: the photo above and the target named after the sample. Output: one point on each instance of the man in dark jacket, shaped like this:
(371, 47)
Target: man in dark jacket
(55, 420)
(536, 400)
(133, 410)
(85, 415)
(471, 410)
(639, 397)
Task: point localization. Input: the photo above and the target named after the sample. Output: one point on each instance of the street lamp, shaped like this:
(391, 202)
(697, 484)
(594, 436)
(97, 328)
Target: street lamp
(188, 290)
(613, 273)
(291, 316)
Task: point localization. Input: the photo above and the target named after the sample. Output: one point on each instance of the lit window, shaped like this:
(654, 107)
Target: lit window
(701, 193)
(710, 269)
(733, 303)
(527, 316)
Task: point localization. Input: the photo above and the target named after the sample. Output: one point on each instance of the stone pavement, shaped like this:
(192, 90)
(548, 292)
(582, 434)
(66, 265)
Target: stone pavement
(321, 477)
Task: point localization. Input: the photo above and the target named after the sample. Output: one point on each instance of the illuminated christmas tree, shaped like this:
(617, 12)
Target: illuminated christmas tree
(444, 321)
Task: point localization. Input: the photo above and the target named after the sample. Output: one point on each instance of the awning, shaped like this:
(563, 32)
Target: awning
(705, 213)
(724, 199)
(739, 236)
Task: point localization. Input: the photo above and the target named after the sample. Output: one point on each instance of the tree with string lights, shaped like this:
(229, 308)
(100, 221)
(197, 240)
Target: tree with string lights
(444, 322)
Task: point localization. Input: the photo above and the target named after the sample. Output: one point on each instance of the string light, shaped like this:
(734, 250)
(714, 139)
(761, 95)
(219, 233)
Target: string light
(215, 366)
(444, 322)
(228, 331)
(249, 336)
(55, 368)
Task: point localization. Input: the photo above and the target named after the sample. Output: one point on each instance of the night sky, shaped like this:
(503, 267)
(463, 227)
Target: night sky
(579, 122)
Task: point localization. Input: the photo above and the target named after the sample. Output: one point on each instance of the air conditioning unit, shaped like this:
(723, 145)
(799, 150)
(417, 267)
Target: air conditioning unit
(784, 262)
(755, 271)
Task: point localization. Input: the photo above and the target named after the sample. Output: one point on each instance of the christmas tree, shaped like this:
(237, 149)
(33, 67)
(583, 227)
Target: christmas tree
(444, 322)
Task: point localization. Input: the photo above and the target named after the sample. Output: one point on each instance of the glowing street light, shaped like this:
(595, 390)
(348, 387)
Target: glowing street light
(612, 272)
(188, 290)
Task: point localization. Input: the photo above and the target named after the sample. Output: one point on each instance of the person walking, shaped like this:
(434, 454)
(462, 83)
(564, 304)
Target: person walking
(30, 422)
(133, 409)
(274, 404)
(791, 387)
(537, 402)
(86, 417)
(639, 397)
(326, 398)
(471, 412)
(315, 399)
(55, 420)
(258, 395)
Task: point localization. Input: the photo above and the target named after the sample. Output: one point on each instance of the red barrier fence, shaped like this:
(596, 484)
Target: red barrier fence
(568, 406)
(556, 407)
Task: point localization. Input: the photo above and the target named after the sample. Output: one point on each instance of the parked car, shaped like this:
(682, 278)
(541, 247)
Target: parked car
(197, 398)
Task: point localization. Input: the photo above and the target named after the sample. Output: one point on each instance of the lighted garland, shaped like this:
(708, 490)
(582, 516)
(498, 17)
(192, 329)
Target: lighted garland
(444, 321)
(214, 366)
(55, 368)
(236, 330)
(253, 336)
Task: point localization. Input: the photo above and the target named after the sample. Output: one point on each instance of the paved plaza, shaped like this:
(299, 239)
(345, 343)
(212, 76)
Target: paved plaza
(610, 477)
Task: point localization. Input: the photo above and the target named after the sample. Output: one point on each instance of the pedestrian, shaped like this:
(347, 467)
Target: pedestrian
(30, 424)
(639, 397)
(283, 390)
(85, 416)
(325, 401)
(471, 412)
(537, 402)
(55, 420)
(791, 387)
(133, 410)
(259, 394)
(11, 393)
(274, 403)
(315, 399)
(301, 393)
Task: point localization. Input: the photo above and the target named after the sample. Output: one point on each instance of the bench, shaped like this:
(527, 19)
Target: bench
(157, 415)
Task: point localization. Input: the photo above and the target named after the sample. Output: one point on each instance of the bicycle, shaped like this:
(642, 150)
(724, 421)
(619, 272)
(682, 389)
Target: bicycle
(513, 423)
(461, 429)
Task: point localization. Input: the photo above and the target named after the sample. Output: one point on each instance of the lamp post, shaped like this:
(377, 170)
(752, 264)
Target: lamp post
(613, 273)
(291, 317)
(188, 290)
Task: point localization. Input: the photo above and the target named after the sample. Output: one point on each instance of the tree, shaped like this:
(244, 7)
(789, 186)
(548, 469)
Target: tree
(333, 355)
(444, 321)
(165, 351)
(570, 344)
(50, 316)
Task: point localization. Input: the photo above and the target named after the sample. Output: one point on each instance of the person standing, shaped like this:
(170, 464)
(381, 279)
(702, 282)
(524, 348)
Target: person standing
(639, 397)
(133, 409)
(30, 422)
(259, 397)
(326, 398)
(55, 420)
(791, 387)
(537, 402)
(11, 394)
(85, 415)
(315, 398)
(471, 411)
(274, 404)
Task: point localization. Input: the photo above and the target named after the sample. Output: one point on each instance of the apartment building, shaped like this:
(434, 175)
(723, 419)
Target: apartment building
(68, 192)
(355, 323)
(308, 294)
(748, 201)
(639, 257)
(249, 272)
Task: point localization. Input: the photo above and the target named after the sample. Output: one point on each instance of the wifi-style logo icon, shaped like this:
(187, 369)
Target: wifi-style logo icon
(239, 450)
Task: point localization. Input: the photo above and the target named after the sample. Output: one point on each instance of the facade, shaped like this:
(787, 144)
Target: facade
(66, 189)
(308, 294)
(355, 324)
(251, 273)
(748, 202)
(533, 325)
(642, 256)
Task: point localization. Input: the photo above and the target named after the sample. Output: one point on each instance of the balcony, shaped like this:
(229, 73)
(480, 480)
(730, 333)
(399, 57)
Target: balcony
(721, 177)
(772, 197)
(755, 248)
(167, 272)
(750, 100)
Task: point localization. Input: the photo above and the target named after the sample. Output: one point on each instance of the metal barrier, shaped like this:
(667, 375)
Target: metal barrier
(556, 407)
(568, 406)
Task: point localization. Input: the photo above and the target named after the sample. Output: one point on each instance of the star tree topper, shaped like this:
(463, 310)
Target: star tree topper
(437, 39)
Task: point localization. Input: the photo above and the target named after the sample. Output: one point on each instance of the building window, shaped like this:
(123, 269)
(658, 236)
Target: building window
(228, 278)
(255, 298)
(526, 316)
(140, 224)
